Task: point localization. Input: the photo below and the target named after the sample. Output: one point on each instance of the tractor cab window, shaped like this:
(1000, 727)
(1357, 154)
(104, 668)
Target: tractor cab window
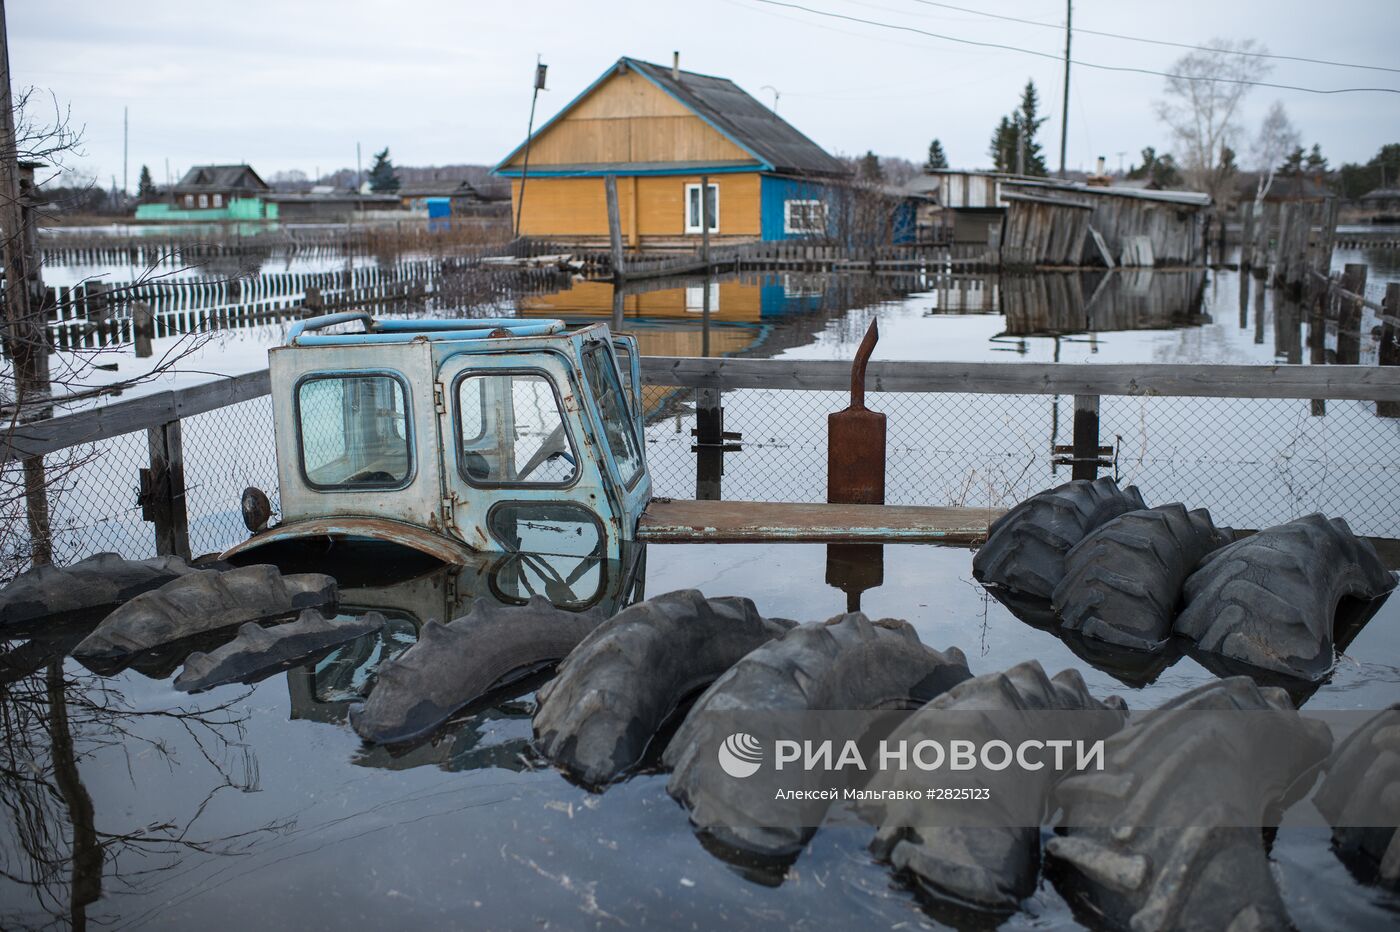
(511, 431)
(354, 432)
(603, 381)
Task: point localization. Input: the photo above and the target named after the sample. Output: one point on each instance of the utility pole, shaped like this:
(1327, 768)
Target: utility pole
(126, 136)
(1064, 106)
(540, 71)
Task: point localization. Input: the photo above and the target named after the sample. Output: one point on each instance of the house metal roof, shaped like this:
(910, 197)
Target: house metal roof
(775, 144)
(220, 178)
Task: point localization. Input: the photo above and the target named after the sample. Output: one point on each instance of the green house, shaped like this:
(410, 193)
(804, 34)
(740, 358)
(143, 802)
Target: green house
(212, 193)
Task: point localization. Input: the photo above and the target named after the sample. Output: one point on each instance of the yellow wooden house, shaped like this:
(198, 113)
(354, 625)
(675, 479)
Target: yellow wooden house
(659, 131)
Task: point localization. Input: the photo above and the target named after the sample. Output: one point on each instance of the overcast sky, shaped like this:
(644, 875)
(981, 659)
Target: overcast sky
(286, 85)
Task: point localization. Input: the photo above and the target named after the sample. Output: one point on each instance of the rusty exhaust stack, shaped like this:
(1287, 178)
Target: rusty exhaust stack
(855, 441)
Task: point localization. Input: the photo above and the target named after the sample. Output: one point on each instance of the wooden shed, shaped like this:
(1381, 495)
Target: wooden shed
(1063, 223)
(659, 131)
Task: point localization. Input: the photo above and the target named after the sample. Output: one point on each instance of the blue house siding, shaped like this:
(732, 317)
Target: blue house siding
(774, 192)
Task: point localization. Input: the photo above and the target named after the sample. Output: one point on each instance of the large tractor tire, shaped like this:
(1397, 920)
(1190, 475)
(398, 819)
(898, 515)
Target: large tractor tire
(630, 675)
(1168, 835)
(1361, 799)
(991, 863)
(1123, 581)
(453, 665)
(1026, 547)
(1271, 599)
(847, 663)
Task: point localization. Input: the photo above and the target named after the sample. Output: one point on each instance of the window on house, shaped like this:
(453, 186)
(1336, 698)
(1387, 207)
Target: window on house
(218, 200)
(189, 200)
(807, 216)
(692, 207)
(204, 200)
(695, 298)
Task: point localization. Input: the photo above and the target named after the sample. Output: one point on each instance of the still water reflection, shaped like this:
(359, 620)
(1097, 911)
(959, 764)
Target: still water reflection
(255, 805)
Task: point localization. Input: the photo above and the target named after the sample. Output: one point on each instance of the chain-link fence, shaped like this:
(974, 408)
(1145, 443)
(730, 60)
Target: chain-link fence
(1253, 462)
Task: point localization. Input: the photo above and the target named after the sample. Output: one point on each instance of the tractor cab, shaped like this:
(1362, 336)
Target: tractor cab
(454, 437)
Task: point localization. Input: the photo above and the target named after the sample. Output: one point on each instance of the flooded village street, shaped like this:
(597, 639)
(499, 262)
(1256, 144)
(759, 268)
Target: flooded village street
(908, 466)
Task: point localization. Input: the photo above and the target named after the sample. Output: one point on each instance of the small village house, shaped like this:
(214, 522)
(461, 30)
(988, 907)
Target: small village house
(659, 131)
(445, 197)
(214, 192)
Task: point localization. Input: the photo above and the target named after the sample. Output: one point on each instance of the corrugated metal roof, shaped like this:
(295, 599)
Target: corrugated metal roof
(775, 144)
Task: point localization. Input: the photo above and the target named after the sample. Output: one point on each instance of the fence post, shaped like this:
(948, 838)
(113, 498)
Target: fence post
(614, 225)
(709, 445)
(1349, 314)
(1086, 437)
(162, 495)
(1389, 354)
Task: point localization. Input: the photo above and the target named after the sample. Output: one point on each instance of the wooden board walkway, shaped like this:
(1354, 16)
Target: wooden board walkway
(688, 521)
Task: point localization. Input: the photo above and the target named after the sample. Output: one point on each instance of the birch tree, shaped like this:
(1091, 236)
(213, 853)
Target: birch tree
(1277, 137)
(1201, 106)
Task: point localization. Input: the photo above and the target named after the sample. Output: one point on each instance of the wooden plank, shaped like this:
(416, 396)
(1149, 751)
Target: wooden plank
(1364, 383)
(122, 417)
(688, 521)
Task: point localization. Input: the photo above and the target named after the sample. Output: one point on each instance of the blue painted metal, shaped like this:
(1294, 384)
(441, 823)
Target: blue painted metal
(439, 207)
(440, 500)
(403, 331)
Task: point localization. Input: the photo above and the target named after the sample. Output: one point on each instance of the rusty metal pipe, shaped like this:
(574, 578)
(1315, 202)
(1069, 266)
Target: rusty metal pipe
(863, 353)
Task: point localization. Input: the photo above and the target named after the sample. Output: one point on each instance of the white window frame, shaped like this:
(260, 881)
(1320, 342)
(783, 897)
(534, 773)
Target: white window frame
(203, 201)
(695, 298)
(189, 201)
(808, 230)
(692, 224)
(218, 200)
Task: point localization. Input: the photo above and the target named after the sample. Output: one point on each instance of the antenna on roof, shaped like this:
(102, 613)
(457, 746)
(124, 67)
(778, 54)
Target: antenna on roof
(776, 95)
(675, 66)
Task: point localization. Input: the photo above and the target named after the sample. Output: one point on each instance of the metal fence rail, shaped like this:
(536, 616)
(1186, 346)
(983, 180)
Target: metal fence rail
(1255, 444)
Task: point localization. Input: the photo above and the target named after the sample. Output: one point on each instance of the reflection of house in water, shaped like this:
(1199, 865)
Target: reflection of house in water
(755, 315)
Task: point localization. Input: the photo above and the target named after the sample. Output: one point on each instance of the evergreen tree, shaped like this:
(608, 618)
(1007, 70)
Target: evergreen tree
(936, 157)
(1293, 165)
(869, 168)
(383, 178)
(146, 186)
(1003, 146)
(1315, 160)
(1014, 146)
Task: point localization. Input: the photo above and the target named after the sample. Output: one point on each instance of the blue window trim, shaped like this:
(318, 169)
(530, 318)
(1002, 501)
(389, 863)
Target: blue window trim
(410, 436)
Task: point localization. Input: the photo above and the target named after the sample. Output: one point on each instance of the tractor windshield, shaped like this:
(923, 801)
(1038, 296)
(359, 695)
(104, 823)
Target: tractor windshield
(601, 371)
(354, 432)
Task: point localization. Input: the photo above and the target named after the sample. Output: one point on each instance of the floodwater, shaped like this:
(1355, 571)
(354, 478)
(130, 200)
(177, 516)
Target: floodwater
(135, 805)
(1252, 462)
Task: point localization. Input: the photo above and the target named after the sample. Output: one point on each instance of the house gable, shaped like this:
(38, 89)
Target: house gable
(624, 119)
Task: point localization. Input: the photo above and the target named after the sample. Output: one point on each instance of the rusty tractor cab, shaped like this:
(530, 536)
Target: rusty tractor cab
(456, 437)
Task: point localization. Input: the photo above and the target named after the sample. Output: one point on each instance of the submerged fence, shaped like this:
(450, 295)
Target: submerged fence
(1256, 444)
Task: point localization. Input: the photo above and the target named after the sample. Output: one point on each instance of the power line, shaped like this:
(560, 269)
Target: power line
(1178, 45)
(1085, 64)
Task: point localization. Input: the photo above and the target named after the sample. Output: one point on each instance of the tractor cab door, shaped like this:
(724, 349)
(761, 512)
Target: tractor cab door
(520, 461)
(630, 366)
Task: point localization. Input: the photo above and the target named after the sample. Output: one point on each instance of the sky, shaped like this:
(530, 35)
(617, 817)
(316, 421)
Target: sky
(296, 85)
